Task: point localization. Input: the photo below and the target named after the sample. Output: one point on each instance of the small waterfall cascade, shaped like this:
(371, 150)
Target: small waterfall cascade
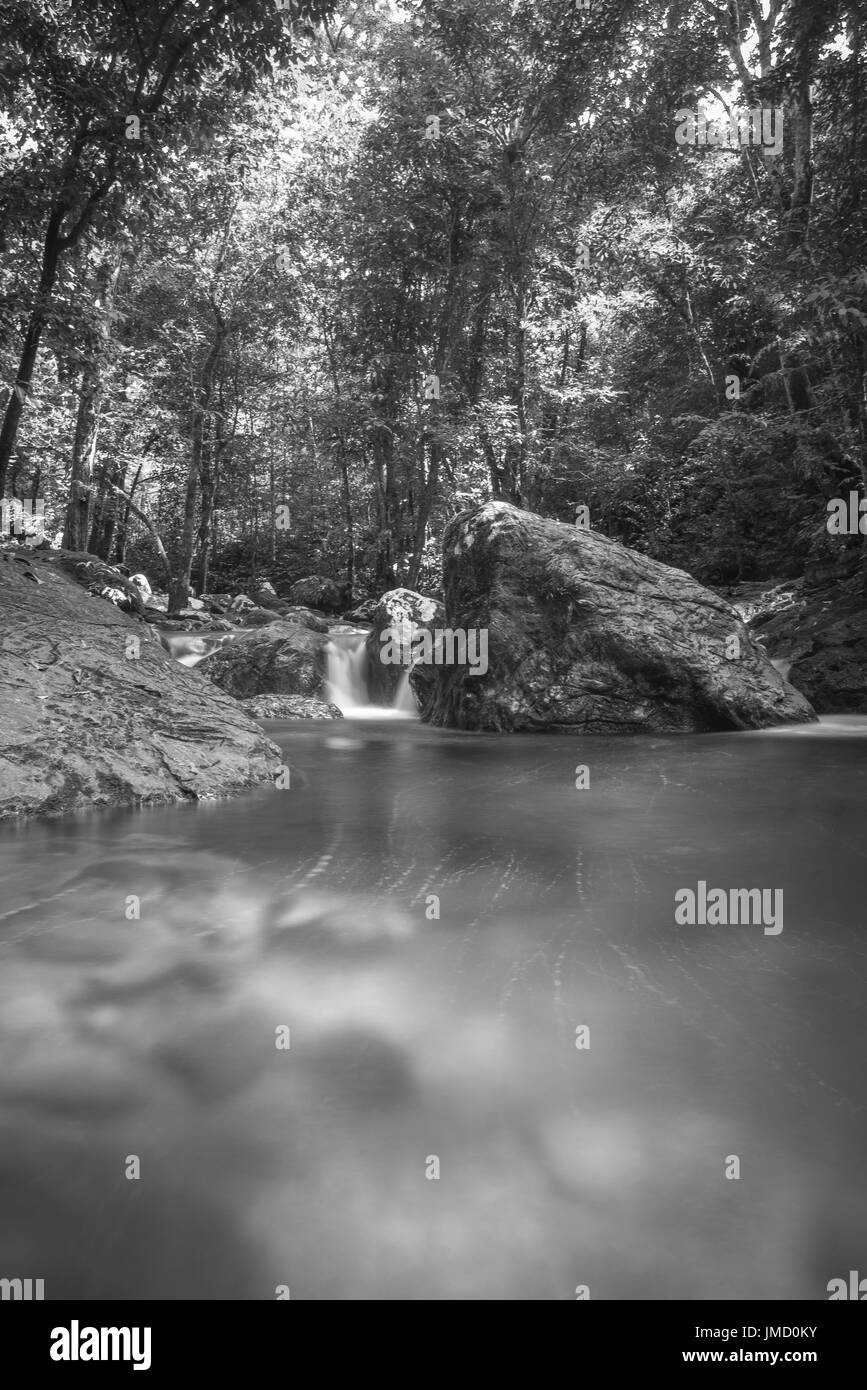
(189, 648)
(346, 682)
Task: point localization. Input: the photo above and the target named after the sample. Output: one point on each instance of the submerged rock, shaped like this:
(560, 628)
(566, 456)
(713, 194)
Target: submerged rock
(586, 635)
(93, 711)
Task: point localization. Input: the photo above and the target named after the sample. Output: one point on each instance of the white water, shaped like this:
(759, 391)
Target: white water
(346, 672)
(346, 682)
(189, 648)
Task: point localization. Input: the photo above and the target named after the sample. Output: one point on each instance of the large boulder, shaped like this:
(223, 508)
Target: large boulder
(93, 711)
(318, 592)
(397, 617)
(585, 635)
(280, 659)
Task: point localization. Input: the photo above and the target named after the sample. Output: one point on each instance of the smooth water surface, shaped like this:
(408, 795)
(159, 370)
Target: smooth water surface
(416, 1038)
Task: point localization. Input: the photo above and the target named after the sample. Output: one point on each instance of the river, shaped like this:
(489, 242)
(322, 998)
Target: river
(336, 1050)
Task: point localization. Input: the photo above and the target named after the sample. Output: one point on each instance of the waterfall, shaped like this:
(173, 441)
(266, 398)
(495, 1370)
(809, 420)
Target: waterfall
(189, 648)
(346, 682)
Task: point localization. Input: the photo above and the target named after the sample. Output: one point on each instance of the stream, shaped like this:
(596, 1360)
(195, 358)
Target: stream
(422, 1025)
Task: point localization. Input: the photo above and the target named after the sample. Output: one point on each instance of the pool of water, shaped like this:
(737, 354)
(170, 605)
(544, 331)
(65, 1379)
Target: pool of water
(432, 921)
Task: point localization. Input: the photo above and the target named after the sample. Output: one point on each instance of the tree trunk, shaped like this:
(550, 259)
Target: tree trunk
(30, 346)
(801, 122)
(179, 590)
(151, 525)
(117, 528)
(425, 506)
(104, 525)
(350, 520)
(76, 524)
(210, 466)
(79, 509)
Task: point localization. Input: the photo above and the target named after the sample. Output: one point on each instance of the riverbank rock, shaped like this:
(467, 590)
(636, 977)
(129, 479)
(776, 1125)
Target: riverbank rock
(400, 612)
(289, 707)
(817, 637)
(585, 635)
(280, 659)
(84, 722)
(318, 592)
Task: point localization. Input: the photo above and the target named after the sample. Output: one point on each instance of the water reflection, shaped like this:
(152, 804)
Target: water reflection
(432, 916)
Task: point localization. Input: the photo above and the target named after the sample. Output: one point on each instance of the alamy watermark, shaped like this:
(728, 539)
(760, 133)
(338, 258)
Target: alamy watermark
(762, 127)
(76, 1343)
(855, 1289)
(23, 1290)
(724, 907)
(847, 516)
(412, 645)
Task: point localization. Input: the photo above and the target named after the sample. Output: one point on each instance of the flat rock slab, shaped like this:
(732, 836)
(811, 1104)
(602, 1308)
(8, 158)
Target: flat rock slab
(588, 636)
(289, 707)
(85, 723)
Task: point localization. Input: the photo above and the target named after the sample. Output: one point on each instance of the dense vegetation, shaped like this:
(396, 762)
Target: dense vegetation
(286, 285)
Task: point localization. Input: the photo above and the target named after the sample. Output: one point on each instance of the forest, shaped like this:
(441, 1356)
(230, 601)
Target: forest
(285, 287)
(433, 669)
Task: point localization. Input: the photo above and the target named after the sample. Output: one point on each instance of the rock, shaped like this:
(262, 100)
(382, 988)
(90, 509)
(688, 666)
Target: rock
(280, 659)
(240, 602)
(304, 617)
(266, 598)
(84, 722)
(318, 592)
(307, 618)
(400, 611)
(193, 623)
(363, 612)
(217, 603)
(257, 617)
(586, 635)
(289, 707)
(142, 584)
(817, 638)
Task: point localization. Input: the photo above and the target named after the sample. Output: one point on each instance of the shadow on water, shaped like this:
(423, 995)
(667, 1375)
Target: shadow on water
(426, 919)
